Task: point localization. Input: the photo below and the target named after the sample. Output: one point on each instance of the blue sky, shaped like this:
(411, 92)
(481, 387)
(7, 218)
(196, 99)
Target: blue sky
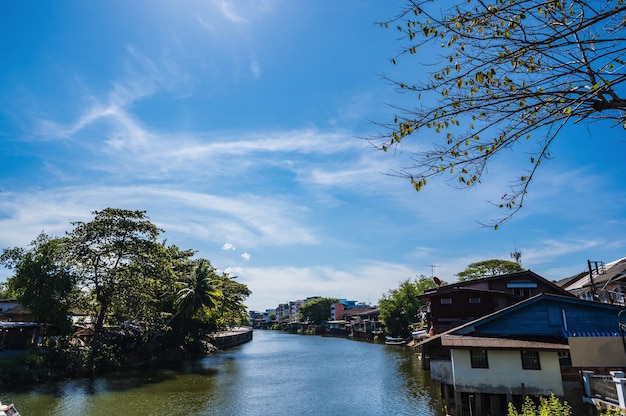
(237, 125)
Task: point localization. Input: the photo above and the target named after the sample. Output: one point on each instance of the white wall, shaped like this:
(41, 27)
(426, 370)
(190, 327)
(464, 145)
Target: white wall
(505, 374)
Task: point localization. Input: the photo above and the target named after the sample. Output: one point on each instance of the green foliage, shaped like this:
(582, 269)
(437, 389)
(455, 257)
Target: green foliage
(43, 281)
(28, 368)
(550, 406)
(151, 303)
(505, 72)
(106, 253)
(488, 268)
(400, 307)
(316, 310)
(311, 330)
(231, 310)
(610, 412)
(114, 269)
(198, 294)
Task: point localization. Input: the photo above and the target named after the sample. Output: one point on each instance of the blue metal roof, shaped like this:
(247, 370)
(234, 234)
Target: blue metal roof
(589, 333)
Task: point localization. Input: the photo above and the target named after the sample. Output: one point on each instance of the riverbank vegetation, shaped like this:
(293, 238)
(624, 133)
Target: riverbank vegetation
(114, 296)
(400, 308)
(316, 310)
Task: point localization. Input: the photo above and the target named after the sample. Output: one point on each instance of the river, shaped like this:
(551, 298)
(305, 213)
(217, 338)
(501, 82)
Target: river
(274, 374)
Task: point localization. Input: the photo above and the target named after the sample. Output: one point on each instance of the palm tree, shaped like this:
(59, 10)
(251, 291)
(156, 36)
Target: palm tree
(199, 291)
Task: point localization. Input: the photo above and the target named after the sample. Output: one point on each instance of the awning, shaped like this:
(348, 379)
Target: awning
(589, 333)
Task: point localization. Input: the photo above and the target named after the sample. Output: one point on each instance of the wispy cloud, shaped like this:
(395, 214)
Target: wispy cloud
(256, 220)
(229, 11)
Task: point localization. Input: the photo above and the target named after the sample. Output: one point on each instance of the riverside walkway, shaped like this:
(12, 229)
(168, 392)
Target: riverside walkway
(233, 337)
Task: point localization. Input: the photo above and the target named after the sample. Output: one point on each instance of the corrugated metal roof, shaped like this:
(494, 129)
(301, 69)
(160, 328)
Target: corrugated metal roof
(459, 341)
(589, 333)
(582, 280)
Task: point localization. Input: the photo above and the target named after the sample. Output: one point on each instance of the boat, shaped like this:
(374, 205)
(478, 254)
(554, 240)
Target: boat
(422, 333)
(8, 410)
(396, 340)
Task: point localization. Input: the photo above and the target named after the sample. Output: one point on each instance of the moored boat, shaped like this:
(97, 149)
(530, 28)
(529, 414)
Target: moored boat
(396, 340)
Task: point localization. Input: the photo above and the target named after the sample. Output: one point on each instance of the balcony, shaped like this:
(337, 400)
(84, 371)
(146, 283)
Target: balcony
(607, 391)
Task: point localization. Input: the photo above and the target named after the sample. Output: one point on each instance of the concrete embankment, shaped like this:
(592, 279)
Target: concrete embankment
(232, 338)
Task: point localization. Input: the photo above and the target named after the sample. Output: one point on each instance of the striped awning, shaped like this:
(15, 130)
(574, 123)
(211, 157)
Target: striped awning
(589, 333)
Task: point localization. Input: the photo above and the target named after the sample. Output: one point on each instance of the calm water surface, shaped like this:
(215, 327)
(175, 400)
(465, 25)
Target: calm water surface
(275, 374)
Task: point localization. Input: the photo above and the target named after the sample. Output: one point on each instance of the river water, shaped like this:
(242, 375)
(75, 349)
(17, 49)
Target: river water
(274, 374)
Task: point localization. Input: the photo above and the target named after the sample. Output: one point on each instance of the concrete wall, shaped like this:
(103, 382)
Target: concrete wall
(441, 371)
(597, 352)
(505, 374)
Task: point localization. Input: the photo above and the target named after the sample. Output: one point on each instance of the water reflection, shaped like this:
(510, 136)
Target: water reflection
(276, 373)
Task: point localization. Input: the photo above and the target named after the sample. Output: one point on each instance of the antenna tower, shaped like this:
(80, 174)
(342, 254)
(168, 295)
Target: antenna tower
(516, 255)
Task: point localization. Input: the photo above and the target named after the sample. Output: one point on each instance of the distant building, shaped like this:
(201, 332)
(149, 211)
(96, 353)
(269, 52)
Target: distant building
(600, 282)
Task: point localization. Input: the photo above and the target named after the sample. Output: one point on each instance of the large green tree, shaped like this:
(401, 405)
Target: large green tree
(316, 310)
(400, 307)
(494, 74)
(107, 254)
(488, 268)
(152, 302)
(231, 310)
(43, 281)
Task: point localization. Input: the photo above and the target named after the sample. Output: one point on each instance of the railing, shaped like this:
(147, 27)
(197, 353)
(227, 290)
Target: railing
(604, 387)
(606, 390)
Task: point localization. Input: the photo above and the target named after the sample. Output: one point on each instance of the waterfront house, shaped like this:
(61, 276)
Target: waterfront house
(535, 347)
(363, 321)
(454, 304)
(22, 335)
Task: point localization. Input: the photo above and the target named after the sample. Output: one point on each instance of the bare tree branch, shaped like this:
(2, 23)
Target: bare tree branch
(507, 71)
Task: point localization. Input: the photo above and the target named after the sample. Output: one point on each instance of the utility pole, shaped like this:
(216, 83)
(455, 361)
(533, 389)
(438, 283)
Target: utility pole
(594, 291)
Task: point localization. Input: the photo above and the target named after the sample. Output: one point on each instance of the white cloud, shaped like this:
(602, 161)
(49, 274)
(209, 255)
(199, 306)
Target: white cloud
(365, 283)
(245, 256)
(228, 246)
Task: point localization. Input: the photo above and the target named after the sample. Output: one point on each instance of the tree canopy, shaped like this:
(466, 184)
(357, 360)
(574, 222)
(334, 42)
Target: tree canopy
(106, 254)
(400, 307)
(43, 281)
(500, 73)
(115, 270)
(316, 310)
(488, 268)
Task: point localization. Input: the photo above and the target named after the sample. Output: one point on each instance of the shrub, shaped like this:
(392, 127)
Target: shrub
(550, 406)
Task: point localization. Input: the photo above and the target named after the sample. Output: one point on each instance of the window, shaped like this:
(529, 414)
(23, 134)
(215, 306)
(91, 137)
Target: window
(530, 360)
(446, 301)
(565, 359)
(478, 359)
(524, 289)
(474, 300)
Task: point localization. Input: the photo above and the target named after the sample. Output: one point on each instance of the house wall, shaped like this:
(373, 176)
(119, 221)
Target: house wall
(597, 352)
(336, 311)
(505, 374)
(459, 305)
(549, 317)
(441, 371)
